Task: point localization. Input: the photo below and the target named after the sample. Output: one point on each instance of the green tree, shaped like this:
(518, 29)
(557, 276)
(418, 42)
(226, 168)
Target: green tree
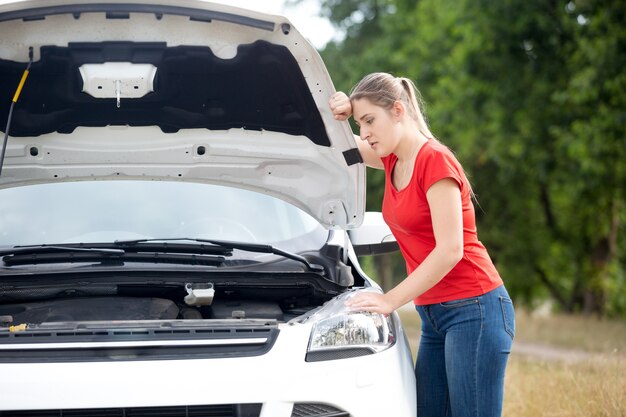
(593, 140)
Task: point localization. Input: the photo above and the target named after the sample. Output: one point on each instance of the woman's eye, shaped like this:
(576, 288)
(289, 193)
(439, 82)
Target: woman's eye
(369, 122)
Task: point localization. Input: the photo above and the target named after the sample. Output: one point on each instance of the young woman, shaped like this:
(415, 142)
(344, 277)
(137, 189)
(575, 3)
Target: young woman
(468, 321)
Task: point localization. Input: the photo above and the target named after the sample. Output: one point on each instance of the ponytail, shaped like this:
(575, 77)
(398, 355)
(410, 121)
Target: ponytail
(415, 105)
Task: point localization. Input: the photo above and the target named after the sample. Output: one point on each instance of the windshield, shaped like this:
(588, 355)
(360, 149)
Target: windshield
(104, 211)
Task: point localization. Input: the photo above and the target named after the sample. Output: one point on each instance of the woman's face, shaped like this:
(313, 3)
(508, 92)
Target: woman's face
(377, 126)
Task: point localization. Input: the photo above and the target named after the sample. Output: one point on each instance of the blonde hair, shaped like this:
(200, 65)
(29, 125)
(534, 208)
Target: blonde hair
(383, 90)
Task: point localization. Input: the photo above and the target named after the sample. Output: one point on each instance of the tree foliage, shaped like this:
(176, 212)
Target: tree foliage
(531, 95)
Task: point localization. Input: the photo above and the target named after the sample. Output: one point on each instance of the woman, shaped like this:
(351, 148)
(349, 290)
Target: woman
(468, 321)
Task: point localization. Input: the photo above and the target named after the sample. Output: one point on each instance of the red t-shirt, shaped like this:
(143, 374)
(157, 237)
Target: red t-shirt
(407, 213)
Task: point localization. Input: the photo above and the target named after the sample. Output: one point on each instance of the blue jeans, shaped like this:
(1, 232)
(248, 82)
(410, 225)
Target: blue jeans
(464, 348)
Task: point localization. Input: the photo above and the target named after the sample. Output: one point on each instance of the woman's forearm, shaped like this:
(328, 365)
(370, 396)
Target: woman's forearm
(436, 265)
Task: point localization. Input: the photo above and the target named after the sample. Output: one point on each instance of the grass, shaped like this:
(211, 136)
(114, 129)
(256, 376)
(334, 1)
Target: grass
(594, 384)
(594, 387)
(589, 334)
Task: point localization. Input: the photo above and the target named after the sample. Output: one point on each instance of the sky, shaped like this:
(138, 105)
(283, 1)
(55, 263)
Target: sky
(305, 17)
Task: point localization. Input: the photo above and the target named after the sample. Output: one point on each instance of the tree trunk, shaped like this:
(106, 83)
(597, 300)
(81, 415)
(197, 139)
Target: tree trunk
(603, 254)
(385, 271)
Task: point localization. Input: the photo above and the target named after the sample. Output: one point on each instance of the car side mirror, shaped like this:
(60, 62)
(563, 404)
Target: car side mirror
(373, 237)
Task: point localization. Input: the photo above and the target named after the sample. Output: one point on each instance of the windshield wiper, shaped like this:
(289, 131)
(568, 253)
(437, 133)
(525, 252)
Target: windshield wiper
(143, 250)
(229, 245)
(35, 249)
(112, 252)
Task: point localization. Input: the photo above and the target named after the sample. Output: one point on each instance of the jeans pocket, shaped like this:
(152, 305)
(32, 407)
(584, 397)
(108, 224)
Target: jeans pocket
(459, 303)
(508, 315)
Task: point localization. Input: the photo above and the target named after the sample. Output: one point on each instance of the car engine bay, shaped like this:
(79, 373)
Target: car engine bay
(135, 308)
(171, 301)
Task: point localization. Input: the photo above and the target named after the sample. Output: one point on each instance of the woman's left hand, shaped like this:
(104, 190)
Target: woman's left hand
(372, 302)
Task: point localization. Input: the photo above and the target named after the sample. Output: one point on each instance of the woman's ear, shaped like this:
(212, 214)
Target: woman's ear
(398, 111)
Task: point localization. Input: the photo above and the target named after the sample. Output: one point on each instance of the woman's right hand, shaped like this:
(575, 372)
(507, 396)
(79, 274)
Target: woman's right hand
(340, 106)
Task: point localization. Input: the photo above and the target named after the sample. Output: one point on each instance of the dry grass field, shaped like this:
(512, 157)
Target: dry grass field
(561, 366)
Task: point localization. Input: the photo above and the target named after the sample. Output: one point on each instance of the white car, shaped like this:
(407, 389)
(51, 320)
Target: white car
(180, 219)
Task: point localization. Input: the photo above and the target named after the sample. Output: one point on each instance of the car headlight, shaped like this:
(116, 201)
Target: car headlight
(339, 333)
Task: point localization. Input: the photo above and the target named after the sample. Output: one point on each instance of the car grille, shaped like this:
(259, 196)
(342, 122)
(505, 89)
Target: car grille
(317, 410)
(143, 343)
(221, 410)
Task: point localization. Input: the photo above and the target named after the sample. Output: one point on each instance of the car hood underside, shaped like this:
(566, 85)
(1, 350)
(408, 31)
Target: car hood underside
(195, 92)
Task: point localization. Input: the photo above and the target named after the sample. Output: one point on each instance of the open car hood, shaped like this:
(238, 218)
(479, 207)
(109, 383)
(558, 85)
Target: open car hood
(174, 90)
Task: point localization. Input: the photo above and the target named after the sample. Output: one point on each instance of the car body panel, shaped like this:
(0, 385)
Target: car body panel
(254, 140)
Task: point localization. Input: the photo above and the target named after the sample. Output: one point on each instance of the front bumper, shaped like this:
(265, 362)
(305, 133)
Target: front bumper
(367, 386)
